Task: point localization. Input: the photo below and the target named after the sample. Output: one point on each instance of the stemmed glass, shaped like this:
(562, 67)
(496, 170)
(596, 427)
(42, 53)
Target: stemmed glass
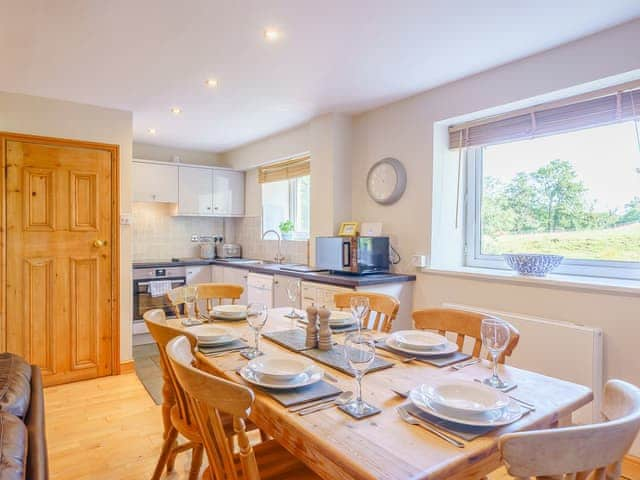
(257, 318)
(495, 337)
(359, 351)
(359, 309)
(293, 290)
(190, 299)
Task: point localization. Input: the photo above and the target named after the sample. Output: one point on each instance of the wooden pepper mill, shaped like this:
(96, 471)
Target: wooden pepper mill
(324, 337)
(311, 340)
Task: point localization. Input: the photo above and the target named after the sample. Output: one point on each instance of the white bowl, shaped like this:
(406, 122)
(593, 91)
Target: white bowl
(279, 367)
(232, 312)
(340, 318)
(464, 398)
(212, 334)
(419, 339)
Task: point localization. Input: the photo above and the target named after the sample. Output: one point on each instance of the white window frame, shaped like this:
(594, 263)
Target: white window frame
(292, 184)
(473, 227)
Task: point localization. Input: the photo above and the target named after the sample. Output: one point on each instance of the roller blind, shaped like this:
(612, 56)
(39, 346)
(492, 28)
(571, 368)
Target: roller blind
(548, 120)
(274, 172)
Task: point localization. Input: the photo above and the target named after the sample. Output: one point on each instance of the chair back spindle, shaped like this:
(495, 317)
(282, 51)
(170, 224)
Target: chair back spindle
(383, 309)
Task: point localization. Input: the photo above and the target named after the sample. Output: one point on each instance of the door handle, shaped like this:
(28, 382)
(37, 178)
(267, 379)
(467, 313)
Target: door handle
(99, 243)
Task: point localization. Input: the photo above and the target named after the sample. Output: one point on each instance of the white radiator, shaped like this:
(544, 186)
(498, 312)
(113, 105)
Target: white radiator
(558, 349)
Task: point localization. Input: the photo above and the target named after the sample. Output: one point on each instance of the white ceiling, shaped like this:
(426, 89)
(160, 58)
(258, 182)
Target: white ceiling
(335, 55)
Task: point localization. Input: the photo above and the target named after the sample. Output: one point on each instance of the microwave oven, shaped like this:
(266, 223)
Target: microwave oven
(354, 255)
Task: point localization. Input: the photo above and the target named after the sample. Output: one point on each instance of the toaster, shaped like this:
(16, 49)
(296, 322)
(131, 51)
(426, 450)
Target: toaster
(231, 250)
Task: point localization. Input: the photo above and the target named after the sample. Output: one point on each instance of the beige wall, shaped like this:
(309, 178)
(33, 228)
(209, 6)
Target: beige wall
(55, 118)
(147, 151)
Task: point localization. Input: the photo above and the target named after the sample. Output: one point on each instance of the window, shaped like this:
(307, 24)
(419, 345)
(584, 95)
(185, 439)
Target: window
(287, 200)
(575, 194)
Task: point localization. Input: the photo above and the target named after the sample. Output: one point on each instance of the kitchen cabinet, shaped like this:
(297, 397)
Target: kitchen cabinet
(320, 294)
(260, 289)
(228, 192)
(199, 274)
(280, 297)
(217, 274)
(154, 182)
(195, 191)
(237, 276)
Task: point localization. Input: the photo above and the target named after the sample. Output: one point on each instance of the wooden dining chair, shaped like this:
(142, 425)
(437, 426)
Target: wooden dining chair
(176, 298)
(210, 292)
(383, 309)
(211, 397)
(176, 410)
(464, 324)
(593, 452)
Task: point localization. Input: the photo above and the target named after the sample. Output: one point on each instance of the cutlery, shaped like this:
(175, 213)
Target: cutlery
(343, 398)
(219, 354)
(467, 363)
(408, 417)
(313, 403)
(330, 377)
(400, 394)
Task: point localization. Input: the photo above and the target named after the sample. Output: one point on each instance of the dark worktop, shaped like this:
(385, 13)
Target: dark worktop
(343, 280)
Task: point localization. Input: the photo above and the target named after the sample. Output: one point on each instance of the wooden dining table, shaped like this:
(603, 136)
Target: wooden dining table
(384, 447)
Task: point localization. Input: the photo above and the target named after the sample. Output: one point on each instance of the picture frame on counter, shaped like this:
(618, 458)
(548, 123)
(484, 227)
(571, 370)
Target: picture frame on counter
(348, 229)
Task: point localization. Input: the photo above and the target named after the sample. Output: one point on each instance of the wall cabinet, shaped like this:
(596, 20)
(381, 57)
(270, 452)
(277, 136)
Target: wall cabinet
(153, 182)
(197, 190)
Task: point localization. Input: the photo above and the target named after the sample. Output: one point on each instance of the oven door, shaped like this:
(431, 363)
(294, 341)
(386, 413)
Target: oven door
(143, 300)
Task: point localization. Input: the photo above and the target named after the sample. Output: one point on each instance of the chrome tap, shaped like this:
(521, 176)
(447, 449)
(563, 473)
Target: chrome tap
(279, 258)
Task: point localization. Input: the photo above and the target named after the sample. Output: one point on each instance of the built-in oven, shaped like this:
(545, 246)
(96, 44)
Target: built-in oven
(150, 287)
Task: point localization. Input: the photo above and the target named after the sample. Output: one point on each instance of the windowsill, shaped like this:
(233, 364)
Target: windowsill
(572, 282)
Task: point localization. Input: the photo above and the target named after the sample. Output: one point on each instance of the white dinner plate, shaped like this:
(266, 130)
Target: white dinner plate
(229, 312)
(213, 334)
(339, 318)
(446, 349)
(495, 418)
(419, 339)
(464, 398)
(311, 376)
(279, 367)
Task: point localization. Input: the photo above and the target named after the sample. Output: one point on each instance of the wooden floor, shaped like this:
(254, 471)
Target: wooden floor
(109, 428)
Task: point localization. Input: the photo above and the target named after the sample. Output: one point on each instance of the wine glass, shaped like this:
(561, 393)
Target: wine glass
(359, 309)
(495, 337)
(293, 290)
(257, 318)
(360, 352)
(190, 299)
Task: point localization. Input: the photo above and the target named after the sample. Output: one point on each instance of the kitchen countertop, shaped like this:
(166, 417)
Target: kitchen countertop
(343, 280)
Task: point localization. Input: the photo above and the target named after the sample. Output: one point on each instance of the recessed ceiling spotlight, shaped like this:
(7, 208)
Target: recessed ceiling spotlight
(211, 83)
(176, 110)
(272, 34)
(152, 131)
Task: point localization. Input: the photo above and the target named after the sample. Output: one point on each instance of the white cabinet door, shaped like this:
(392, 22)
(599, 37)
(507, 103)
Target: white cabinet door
(237, 276)
(280, 297)
(195, 191)
(198, 274)
(228, 192)
(217, 274)
(260, 289)
(154, 183)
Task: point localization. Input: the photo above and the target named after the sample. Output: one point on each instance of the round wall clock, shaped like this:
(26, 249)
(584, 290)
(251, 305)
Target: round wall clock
(386, 181)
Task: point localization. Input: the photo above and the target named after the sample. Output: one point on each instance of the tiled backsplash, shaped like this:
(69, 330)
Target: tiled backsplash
(247, 231)
(158, 235)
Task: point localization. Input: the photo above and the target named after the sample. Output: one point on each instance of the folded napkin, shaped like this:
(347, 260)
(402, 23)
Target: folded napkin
(437, 361)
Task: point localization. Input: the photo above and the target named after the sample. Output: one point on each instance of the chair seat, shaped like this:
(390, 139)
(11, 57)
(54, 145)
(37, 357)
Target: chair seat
(187, 430)
(276, 463)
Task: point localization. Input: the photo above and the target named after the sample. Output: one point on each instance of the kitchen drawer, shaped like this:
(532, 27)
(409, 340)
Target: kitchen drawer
(258, 280)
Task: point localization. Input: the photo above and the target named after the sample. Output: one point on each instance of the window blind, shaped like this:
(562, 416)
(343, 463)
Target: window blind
(275, 172)
(548, 120)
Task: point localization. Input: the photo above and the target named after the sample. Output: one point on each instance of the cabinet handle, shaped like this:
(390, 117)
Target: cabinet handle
(215, 208)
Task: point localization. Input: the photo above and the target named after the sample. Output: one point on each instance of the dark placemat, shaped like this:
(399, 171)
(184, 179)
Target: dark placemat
(335, 329)
(437, 361)
(206, 349)
(465, 432)
(293, 339)
(335, 359)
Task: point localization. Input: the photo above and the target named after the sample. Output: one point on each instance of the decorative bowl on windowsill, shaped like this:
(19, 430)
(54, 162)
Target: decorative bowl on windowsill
(532, 264)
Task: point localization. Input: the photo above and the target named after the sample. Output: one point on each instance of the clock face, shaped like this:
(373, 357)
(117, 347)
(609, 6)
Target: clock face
(386, 181)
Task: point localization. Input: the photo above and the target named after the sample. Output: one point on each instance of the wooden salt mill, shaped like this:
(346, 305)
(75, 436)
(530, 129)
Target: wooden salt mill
(311, 340)
(324, 341)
